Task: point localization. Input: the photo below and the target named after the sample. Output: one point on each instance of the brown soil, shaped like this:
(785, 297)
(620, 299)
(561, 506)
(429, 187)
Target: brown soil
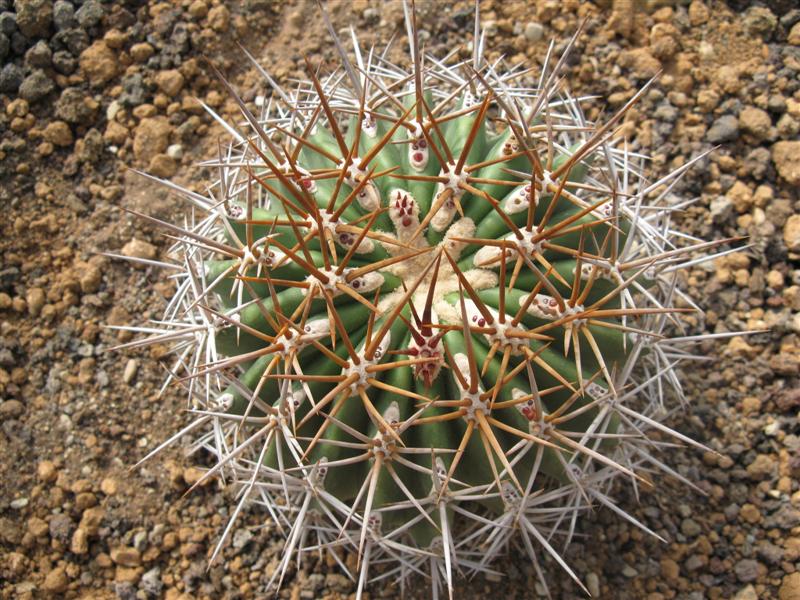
(77, 522)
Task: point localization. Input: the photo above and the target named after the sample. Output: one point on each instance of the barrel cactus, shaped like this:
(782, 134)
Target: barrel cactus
(424, 315)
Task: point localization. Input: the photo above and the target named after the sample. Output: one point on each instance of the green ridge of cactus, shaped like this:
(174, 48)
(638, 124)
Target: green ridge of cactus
(424, 314)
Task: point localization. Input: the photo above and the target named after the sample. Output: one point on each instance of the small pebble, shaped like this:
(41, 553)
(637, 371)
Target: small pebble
(130, 370)
(19, 503)
(534, 32)
(139, 249)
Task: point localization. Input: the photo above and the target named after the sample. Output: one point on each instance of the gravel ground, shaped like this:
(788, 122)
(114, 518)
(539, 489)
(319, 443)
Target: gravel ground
(90, 89)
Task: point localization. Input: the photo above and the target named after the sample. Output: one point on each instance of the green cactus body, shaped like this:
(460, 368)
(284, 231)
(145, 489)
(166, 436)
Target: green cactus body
(426, 309)
(557, 369)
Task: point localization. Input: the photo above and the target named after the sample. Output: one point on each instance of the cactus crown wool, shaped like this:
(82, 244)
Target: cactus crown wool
(425, 313)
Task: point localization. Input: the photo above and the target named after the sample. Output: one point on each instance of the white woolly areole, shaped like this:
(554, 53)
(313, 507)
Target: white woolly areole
(595, 390)
(316, 478)
(336, 230)
(463, 228)
(487, 256)
(313, 330)
(296, 398)
(317, 328)
(418, 152)
(475, 318)
(438, 477)
(301, 176)
(475, 402)
(259, 254)
(445, 213)
(547, 182)
(511, 145)
(273, 258)
(385, 442)
(605, 211)
(290, 344)
(546, 307)
(454, 179)
(518, 201)
(543, 307)
(510, 496)
(479, 279)
(354, 173)
(404, 213)
(368, 282)
(363, 362)
(521, 198)
(223, 402)
(369, 126)
(368, 198)
(330, 285)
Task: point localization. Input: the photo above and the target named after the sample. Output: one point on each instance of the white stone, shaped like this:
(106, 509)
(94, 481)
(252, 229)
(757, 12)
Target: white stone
(175, 151)
(130, 370)
(534, 32)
